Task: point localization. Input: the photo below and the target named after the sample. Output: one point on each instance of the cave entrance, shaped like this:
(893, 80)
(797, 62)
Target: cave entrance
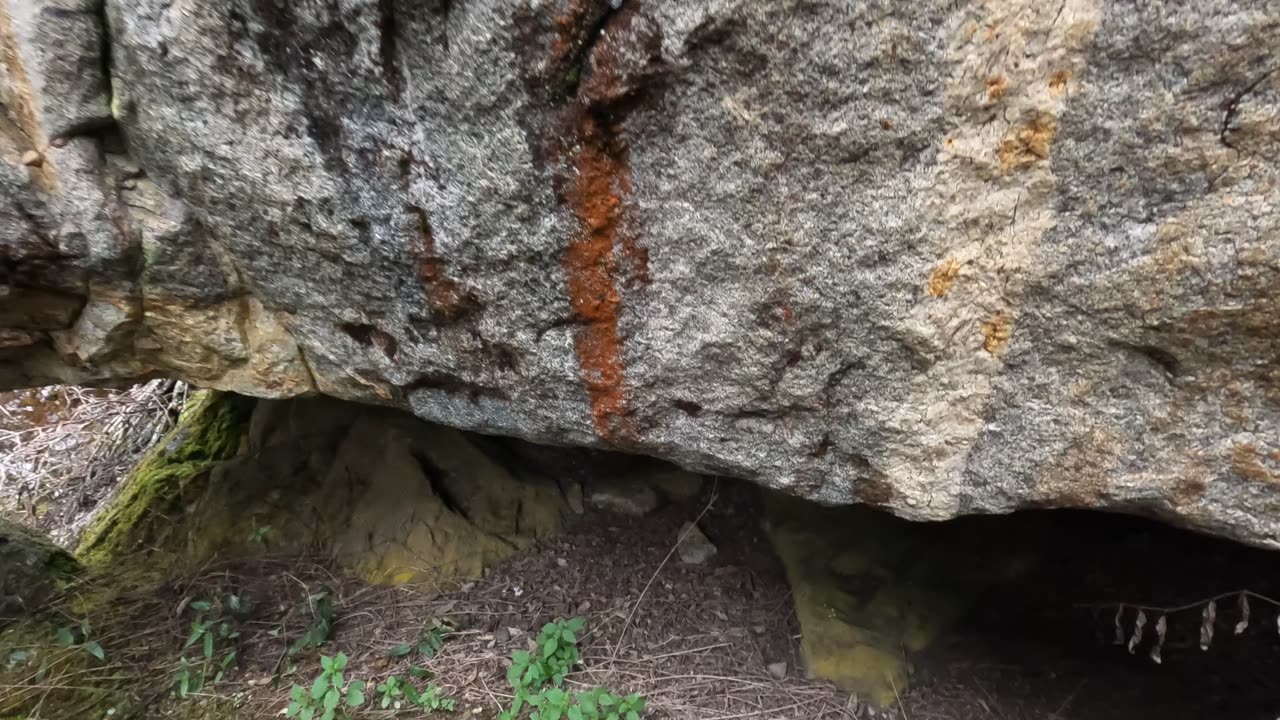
(434, 555)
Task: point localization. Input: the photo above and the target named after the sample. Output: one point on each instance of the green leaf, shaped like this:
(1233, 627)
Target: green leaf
(326, 663)
(568, 636)
(420, 673)
(201, 606)
(307, 713)
(575, 713)
(329, 714)
(400, 651)
(94, 649)
(197, 629)
(633, 715)
(550, 648)
(293, 709)
(208, 646)
(319, 687)
(355, 694)
(297, 693)
(340, 662)
(65, 638)
(331, 699)
(607, 700)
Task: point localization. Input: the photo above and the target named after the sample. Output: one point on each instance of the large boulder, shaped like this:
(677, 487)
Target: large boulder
(941, 257)
(31, 570)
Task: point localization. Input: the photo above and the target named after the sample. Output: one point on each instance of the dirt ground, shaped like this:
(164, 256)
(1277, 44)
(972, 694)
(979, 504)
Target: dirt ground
(698, 641)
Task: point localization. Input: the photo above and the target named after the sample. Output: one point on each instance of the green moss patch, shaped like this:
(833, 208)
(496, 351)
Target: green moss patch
(209, 431)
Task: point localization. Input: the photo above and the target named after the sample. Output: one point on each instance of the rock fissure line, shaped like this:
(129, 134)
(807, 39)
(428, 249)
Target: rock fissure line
(1231, 108)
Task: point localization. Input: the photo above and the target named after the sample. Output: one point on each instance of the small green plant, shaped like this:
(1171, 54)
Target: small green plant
(258, 536)
(216, 640)
(320, 607)
(330, 695)
(536, 678)
(600, 704)
(79, 636)
(396, 692)
(429, 641)
(556, 655)
(391, 692)
(429, 699)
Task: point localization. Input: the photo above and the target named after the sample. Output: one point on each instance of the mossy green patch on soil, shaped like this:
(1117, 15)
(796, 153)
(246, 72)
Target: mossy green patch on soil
(45, 680)
(209, 431)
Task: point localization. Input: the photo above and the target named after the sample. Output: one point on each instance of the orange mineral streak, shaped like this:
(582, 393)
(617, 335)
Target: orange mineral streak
(596, 196)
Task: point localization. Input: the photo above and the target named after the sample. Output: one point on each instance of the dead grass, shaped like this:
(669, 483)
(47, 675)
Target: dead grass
(63, 448)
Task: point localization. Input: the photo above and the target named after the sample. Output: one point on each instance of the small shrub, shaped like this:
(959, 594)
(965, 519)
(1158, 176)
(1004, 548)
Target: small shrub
(429, 642)
(320, 607)
(330, 695)
(556, 655)
(396, 692)
(537, 677)
(216, 640)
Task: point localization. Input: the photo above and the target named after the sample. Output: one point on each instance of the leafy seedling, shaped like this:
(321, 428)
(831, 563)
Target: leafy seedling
(320, 606)
(79, 636)
(330, 695)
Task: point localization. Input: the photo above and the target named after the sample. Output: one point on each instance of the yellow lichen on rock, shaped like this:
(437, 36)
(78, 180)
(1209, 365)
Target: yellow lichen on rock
(943, 276)
(1027, 144)
(996, 332)
(870, 588)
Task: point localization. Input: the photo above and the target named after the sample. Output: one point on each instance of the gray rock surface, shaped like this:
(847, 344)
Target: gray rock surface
(942, 257)
(32, 569)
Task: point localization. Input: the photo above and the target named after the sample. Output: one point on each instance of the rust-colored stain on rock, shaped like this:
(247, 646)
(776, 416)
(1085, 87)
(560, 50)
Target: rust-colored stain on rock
(449, 302)
(1027, 144)
(610, 55)
(1246, 461)
(596, 196)
(943, 277)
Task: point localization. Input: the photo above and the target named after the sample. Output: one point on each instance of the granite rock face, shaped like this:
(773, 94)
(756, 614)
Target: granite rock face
(941, 257)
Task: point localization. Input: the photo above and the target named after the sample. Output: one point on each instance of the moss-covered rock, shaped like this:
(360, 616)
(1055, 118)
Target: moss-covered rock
(142, 514)
(871, 589)
(31, 568)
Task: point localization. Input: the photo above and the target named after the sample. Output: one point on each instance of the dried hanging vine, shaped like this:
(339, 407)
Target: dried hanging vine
(1208, 607)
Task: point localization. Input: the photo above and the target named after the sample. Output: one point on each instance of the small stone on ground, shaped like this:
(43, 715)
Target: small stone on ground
(694, 548)
(626, 497)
